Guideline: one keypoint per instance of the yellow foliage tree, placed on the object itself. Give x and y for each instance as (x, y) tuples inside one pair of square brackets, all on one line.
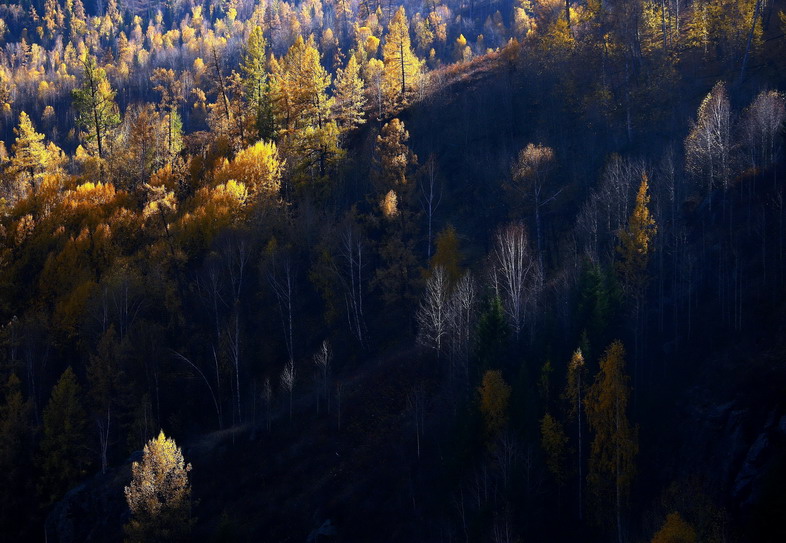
[(212, 210), (494, 395), (447, 254), (615, 443), (350, 100), (302, 110), (394, 156), (402, 67), (257, 167), (159, 495), (32, 159), (635, 239), (675, 530)]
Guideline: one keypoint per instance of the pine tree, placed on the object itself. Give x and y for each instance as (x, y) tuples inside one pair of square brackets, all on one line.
[(63, 446), (159, 495), (615, 443), (401, 65)]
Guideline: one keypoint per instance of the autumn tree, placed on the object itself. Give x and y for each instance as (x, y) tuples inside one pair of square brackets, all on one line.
[(159, 495), (434, 311), (762, 128), (615, 442), (635, 242), (143, 143), (32, 158), (63, 445), (256, 84), (302, 110), (97, 112), (402, 67), (730, 29), (258, 167), (171, 89), (448, 255), (494, 395), (350, 100), (530, 173), (394, 157), (708, 145), (373, 73), (574, 396), (675, 530), (397, 221), (517, 268), (554, 442), (635, 246)]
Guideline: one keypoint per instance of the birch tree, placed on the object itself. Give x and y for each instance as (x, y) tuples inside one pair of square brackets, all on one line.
[(288, 376), (708, 145), (516, 265), (762, 125), (322, 361), (433, 314)]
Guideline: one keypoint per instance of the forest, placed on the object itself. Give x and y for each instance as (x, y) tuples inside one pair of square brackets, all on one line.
[(414, 271)]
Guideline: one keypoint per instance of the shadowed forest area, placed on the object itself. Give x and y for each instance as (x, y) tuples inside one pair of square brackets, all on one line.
[(351, 270)]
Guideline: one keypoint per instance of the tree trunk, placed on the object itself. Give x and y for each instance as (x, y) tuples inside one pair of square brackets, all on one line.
[(403, 73), (578, 417), (756, 9)]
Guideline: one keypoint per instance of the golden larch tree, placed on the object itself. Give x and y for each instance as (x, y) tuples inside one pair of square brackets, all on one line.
[(350, 99), (574, 397), (494, 395), (159, 495), (675, 530), (402, 67), (615, 442), (32, 158), (635, 240)]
